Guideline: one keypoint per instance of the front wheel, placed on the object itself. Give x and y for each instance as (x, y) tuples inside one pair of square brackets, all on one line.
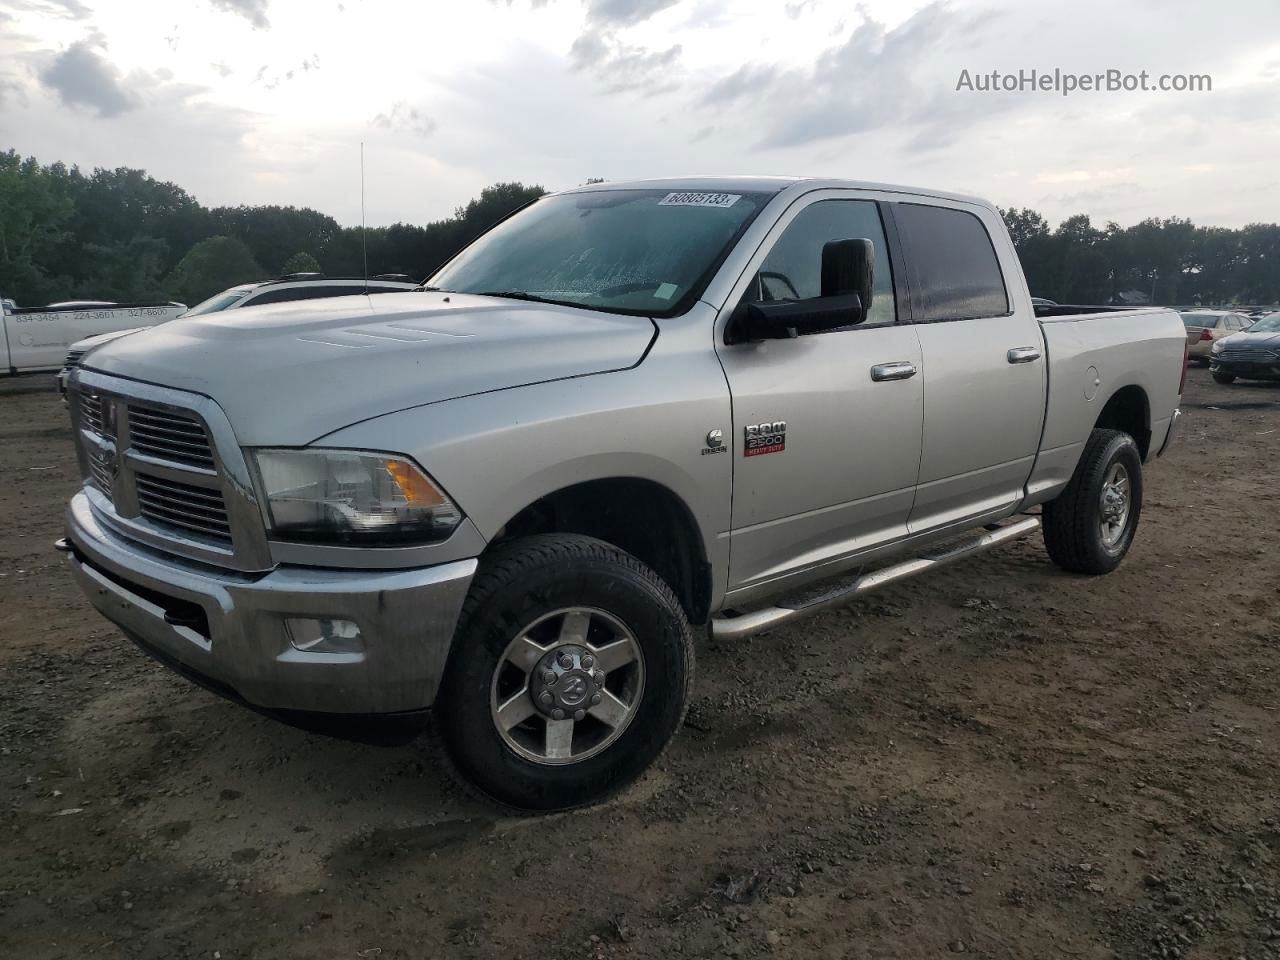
[(569, 674), (1220, 377), (1090, 526)]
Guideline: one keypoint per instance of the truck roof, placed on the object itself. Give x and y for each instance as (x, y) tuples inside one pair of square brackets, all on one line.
[(755, 184)]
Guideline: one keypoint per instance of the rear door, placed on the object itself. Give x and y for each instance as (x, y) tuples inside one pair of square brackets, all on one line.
[(825, 447), (984, 367)]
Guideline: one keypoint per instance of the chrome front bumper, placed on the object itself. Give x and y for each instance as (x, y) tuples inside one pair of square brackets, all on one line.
[(228, 628)]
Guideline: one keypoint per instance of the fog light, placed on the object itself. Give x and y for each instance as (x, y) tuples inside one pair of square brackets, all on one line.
[(324, 636)]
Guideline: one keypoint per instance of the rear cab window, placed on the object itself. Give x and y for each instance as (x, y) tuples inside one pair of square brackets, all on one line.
[(955, 273)]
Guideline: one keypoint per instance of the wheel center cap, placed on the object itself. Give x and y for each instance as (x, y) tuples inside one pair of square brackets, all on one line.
[(566, 683)]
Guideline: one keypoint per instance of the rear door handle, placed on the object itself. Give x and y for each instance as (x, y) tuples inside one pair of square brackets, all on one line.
[(898, 370), (1024, 354)]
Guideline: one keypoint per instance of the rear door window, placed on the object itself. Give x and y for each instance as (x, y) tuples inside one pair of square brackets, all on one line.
[(955, 272)]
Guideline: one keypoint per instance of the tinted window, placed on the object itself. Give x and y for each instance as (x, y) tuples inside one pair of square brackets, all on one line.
[(285, 294), (956, 275), (793, 268)]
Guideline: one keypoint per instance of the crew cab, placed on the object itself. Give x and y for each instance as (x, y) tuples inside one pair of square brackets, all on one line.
[(628, 414)]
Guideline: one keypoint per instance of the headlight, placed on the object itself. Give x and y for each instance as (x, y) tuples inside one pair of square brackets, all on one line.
[(1217, 346), (345, 497)]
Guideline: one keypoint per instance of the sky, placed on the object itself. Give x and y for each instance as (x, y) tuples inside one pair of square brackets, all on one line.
[(268, 101)]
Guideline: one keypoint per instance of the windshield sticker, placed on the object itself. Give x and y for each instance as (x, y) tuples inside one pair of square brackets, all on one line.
[(664, 291), (699, 199)]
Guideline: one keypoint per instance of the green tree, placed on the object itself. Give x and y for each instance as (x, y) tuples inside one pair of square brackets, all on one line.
[(211, 265), (300, 262), (33, 222)]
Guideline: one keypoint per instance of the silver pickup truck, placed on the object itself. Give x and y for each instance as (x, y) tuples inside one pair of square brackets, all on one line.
[(628, 413)]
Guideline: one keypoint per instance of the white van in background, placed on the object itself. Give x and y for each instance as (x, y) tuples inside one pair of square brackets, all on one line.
[(37, 338)]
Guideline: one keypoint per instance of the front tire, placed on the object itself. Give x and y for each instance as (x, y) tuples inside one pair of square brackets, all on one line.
[(1223, 378), (1091, 525), (569, 674)]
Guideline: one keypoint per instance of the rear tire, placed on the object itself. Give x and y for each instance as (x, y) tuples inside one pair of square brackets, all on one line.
[(569, 674), (1090, 526), (1223, 378)]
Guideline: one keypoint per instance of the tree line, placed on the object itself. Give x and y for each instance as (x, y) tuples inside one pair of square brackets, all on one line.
[(122, 235), (125, 236), (1169, 261)]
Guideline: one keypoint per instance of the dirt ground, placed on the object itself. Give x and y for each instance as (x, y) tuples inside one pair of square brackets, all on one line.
[(1004, 760)]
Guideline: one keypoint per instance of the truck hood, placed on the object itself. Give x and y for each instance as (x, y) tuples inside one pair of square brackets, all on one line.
[(88, 343), (290, 373)]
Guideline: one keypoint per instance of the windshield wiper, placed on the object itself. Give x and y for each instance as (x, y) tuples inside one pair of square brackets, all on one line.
[(517, 295)]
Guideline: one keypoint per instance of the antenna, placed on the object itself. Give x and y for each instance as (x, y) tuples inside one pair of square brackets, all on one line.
[(364, 230)]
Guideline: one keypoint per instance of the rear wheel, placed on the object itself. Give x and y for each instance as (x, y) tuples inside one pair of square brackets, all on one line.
[(1220, 377), (569, 674), (1090, 526)]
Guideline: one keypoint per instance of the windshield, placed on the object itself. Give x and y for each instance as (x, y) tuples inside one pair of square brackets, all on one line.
[(1199, 320), (648, 252), (1268, 324), (219, 301)]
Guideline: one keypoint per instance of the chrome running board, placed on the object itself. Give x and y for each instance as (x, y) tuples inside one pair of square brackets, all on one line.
[(744, 624)]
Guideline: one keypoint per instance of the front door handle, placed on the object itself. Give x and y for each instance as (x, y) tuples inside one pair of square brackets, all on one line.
[(898, 370), (1024, 354)]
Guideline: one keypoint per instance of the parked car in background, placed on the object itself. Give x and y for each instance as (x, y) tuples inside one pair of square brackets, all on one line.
[(1253, 354), (36, 338), (1205, 327), (295, 286)]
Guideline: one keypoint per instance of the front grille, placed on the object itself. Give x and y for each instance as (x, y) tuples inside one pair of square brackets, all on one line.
[(187, 508), (91, 412), (99, 473), (169, 436), (1247, 355)]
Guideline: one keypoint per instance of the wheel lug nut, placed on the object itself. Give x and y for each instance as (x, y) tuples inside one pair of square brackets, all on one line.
[(548, 676), (588, 662), (579, 714), (557, 714), (598, 676), (566, 661), (545, 697), (595, 699)]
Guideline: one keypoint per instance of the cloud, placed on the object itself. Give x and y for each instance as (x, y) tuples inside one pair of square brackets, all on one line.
[(221, 69), (71, 9), (404, 118), (877, 78), (623, 66), (624, 13), (82, 77), (255, 11)]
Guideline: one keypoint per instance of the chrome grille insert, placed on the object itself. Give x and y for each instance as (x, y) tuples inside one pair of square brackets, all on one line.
[(100, 472), (191, 509), (169, 436), (162, 468), (91, 412)]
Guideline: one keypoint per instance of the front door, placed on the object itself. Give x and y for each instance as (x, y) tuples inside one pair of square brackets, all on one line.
[(826, 426)]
